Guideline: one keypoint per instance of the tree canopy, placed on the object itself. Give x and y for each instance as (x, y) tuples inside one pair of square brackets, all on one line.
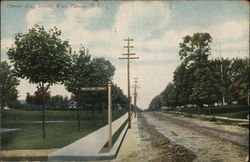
[(40, 56), (8, 84), (199, 80), (88, 72)]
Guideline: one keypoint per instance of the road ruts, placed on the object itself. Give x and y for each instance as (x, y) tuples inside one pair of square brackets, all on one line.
[(209, 142)]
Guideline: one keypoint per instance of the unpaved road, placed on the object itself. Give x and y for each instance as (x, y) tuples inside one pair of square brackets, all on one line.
[(208, 141), (154, 147)]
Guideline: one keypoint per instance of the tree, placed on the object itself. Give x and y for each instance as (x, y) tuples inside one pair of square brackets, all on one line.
[(168, 96), (195, 49), (221, 73), (103, 72), (29, 98), (156, 103), (118, 96), (37, 97), (87, 72), (194, 52), (182, 85), (79, 75), (58, 101), (239, 72), (41, 57), (8, 84)]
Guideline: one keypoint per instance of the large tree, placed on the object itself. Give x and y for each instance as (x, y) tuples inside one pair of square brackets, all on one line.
[(239, 88), (80, 71), (194, 53), (182, 85), (169, 96), (41, 57), (220, 69), (195, 49), (118, 96), (87, 72), (8, 84), (156, 103)]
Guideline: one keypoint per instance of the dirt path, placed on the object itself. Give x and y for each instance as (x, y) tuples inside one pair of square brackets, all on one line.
[(25, 155), (208, 141), (154, 147)]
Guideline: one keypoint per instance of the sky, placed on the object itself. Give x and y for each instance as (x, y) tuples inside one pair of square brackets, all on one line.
[(157, 28)]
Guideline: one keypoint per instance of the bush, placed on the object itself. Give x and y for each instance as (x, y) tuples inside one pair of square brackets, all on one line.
[(14, 104)]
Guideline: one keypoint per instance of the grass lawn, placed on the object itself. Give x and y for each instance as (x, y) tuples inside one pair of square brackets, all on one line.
[(117, 134), (239, 115), (57, 134), (231, 111)]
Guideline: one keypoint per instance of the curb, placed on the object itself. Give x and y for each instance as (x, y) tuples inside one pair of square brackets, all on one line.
[(99, 156)]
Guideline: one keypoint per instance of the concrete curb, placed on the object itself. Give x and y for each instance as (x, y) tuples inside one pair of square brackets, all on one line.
[(98, 156)]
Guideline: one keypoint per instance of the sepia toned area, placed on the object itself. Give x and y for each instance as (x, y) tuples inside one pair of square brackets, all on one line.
[(124, 81)]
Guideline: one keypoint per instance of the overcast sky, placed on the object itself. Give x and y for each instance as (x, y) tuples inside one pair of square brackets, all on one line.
[(156, 27)]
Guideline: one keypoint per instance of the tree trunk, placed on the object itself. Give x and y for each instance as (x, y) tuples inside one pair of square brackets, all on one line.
[(1, 105), (93, 112), (78, 107), (44, 131), (78, 119)]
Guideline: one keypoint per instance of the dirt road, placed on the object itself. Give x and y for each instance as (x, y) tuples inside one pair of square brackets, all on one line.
[(207, 140)]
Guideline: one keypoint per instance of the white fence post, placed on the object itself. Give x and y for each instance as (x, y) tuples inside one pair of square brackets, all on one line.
[(110, 114)]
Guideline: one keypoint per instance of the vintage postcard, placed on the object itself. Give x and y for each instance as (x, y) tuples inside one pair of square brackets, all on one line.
[(100, 80)]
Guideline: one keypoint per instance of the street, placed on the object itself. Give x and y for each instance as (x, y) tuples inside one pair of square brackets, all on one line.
[(171, 137), (208, 141)]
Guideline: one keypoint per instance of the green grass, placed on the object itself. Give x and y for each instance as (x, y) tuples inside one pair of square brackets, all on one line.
[(117, 134), (233, 111), (239, 115), (57, 134)]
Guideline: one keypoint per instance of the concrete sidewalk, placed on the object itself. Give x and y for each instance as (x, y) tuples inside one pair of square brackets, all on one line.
[(88, 147), (131, 143)]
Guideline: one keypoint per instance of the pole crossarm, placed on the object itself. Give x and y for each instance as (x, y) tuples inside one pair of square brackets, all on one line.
[(129, 58), (128, 46), (128, 54), (128, 39)]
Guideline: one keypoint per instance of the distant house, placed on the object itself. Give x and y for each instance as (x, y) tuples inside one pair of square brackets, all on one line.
[(72, 104), (6, 108)]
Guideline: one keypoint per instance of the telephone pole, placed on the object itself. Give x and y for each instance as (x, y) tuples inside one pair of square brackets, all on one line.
[(135, 86), (128, 58), (222, 80)]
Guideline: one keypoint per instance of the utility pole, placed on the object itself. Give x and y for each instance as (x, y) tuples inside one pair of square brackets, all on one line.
[(135, 86), (223, 98), (221, 70), (110, 113), (128, 58)]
